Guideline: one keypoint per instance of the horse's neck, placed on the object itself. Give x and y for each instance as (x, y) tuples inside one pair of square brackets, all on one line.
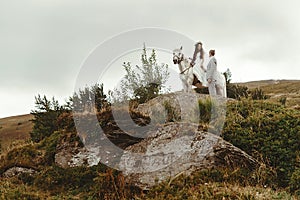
[(182, 65)]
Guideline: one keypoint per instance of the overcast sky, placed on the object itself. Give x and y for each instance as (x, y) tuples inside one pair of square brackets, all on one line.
[(44, 42)]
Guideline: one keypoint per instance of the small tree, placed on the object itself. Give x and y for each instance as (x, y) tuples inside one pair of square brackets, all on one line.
[(258, 94), (45, 117), (282, 100), (144, 82), (237, 91), (234, 91), (228, 76), (89, 99)]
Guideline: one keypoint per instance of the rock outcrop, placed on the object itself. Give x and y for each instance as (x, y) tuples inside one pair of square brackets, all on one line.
[(14, 171), (178, 148), (101, 143), (154, 149), (184, 105)]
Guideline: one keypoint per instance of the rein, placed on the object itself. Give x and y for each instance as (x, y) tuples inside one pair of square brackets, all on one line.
[(185, 69)]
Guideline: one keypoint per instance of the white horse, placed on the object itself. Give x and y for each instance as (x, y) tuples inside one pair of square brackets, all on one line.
[(186, 70)]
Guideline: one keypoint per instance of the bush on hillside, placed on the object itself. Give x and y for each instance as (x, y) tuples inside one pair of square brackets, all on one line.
[(89, 99), (266, 130), (142, 82), (97, 182), (235, 91), (282, 100), (49, 116), (57, 178), (258, 94), (45, 117), (295, 182)]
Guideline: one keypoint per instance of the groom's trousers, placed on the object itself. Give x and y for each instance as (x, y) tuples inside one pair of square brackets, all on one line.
[(214, 89)]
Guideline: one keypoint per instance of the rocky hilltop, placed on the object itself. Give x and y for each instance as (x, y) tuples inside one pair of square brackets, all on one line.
[(170, 146)]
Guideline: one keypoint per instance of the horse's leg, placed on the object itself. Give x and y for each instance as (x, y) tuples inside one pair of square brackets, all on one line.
[(188, 87), (182, 78), (185, 86), (190, 82)]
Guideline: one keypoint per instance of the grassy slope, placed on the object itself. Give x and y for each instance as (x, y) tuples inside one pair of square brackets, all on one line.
[(275, 86), (176, 191), (14, 129), (278, 89)]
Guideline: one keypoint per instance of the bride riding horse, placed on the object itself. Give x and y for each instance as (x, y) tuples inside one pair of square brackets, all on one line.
[(186, 71)]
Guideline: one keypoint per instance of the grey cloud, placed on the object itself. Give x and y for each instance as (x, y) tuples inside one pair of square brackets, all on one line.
[(43, 43)]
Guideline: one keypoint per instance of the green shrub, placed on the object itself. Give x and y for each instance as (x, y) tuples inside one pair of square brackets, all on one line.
[(26, 178), (89, 99), (26, 152), (211, 184), (18, 194), (49, 145), (235, 91), (147, 92), (295, 182), (26, 156), (49, 116), (258, 94), (282, 100), (45, 118), (97, 182), (142, 82), (55, 178), (266, 129)]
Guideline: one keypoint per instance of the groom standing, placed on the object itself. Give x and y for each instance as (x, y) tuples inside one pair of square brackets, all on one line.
[(214, 86)]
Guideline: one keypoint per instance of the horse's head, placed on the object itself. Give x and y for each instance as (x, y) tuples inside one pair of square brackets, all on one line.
[(177, 55)]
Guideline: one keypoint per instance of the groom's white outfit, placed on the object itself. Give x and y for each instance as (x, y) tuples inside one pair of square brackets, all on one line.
[(215, 79)]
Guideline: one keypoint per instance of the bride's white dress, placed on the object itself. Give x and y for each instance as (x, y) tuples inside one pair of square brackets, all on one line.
[(199, 72)]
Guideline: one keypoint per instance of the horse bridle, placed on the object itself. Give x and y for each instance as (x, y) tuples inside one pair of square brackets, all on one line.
[(179, 60)]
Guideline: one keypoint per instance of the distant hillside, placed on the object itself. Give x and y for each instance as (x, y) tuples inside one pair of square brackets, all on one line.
[(13, 129), (275, 86), (277, 89)]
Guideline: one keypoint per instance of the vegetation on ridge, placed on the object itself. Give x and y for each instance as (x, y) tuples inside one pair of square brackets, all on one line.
[(266, 130)]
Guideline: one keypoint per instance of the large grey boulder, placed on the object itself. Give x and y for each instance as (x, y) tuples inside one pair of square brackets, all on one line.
[(178, 148)]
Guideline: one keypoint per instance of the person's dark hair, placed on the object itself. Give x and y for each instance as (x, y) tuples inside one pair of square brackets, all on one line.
[(196, 51), (212, 52)]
